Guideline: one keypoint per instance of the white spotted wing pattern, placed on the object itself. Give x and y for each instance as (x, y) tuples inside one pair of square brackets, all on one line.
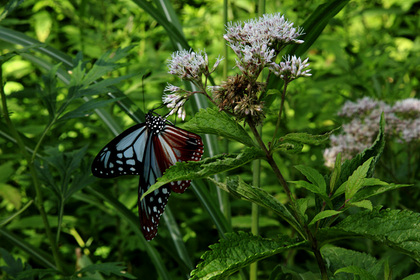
[(148, 149)]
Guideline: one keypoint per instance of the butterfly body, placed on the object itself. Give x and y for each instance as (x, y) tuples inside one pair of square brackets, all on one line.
[(148, 149)]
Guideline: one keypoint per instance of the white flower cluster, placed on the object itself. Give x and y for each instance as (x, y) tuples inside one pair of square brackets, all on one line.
[(190, 66), (253, 58), (272, 28), (291, 68), (402, 125), (408, 113), (257, 43), (175, 99)]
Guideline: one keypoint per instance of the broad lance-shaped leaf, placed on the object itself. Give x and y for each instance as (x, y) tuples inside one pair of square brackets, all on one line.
[(237, 187), (338, 258), (238, 250), (293, 142), (314, 177), (211, 121), (108, 269), (355, 182), (323, 215), (394, 228), (306, 138), (363, 273), (375, 151), (205, 168)]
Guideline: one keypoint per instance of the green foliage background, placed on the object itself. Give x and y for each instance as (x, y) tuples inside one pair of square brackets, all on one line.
[(368, 49)]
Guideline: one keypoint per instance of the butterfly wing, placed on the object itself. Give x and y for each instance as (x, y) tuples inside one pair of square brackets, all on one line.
[(148, 149), (123, 155), (153, 205), (175, 144), (165, 149)]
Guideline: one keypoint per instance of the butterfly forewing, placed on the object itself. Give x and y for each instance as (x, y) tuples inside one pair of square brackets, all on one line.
[(123, 155)]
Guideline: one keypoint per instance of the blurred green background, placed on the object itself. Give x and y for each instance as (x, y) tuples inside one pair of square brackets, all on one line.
[(369, 49)]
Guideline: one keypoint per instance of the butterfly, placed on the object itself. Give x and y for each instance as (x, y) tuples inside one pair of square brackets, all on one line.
[(148, 149)]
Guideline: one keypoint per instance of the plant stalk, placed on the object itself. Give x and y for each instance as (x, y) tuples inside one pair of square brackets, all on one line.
[(283, 97), (312, 240)]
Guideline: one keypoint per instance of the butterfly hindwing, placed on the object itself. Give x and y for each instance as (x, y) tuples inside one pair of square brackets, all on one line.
[(151, 208), (174, 145), (123, 155)]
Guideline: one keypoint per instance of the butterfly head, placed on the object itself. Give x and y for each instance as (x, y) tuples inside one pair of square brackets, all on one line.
[(155, 123)]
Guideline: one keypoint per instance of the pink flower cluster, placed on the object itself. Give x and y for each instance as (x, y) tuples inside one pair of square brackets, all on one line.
[(402, 125)]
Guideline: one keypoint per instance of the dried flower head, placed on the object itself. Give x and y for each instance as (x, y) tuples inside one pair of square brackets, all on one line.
[(240, 97)]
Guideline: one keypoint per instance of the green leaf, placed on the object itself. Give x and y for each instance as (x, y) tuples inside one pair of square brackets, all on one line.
[(202, 169), (375, 189), (13, 266), (291, 147), (379, 187), (10, 6), (397, 229), (48, 94), (105, 64), (363, 273), (338, 258), (238, 250), (336, 173), (355, 182), (302, 205), (4, 221), (293, 142), (310, 187), (35, 253), (314, 177), (306, 138), (110, 268), (237, 187), (211, 121), (323, 215), (375, 151), (363, 204), (412, 277), (86, 109), (172, 31)]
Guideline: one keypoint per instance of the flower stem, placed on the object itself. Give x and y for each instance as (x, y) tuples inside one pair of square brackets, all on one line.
[(283, 97)]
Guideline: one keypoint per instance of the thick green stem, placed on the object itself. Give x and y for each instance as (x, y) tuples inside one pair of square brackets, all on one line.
[(312, 240), (256, 173), (38, 199)]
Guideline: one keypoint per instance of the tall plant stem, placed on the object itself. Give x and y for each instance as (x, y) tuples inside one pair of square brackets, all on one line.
[(272, 163), (255, 212), (39, 202), (312, 240), (283, 97)]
